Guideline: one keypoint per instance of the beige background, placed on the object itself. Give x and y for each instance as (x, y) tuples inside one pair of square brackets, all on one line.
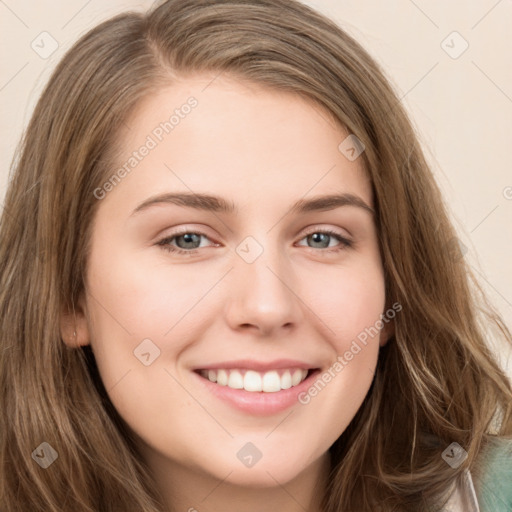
[(460, 101)]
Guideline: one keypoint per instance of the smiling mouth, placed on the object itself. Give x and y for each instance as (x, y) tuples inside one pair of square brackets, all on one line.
[(256, 382)]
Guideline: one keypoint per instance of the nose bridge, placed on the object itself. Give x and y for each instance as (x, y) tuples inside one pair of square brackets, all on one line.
[(263, 284)]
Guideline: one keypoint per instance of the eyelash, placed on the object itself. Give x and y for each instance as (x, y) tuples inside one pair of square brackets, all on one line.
[(165, 242)]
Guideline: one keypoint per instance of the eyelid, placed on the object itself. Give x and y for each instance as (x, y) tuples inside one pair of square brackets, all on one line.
[(182, 231), (321, 227), (344, 241), (309, 230)]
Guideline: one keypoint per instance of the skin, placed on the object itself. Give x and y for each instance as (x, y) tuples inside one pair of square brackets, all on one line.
[(263, 150)]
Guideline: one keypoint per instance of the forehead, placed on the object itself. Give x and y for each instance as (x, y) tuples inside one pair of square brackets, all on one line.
[(243, 140)]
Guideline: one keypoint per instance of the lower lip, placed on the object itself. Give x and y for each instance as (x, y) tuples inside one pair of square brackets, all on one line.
[(258, 403)]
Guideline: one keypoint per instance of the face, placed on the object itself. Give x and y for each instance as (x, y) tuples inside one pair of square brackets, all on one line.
[(260, 286)]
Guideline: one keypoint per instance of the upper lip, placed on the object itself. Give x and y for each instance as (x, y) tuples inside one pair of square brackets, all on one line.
[(262, 366)]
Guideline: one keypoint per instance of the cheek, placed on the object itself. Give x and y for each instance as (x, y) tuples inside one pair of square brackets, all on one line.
[(136, 308), (349, 302), (352, 311), (139, 298), (141, 318)]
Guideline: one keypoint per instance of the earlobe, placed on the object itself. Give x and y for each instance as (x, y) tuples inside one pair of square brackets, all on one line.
[(387, 332), (74, 328)]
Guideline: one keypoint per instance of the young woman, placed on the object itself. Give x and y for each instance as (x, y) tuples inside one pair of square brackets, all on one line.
[(228, 282)]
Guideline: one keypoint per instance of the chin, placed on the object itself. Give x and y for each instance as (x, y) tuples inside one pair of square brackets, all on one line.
[(272, 469)]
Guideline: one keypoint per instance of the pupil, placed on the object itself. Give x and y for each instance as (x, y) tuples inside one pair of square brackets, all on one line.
[(190, 238), (317, 238)]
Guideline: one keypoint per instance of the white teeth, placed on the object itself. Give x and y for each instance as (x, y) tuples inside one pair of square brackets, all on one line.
[(271, 382), (252, 381), (235, 381), (268, 382), (286, 380), (297, 376), (222, 377)]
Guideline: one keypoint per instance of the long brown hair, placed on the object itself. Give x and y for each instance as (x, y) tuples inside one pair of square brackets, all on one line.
[(436, 382)]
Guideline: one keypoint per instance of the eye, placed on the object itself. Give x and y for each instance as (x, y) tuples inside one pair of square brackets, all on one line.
[(322, 238), (187, 242)]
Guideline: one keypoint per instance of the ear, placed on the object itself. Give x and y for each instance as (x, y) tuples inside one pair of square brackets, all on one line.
[(387, 331), (74, 328)]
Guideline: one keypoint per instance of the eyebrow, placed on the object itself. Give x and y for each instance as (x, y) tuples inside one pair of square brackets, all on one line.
[(217, 204)]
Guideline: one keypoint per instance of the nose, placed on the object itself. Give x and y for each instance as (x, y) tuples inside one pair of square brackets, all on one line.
[(263, 296)]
